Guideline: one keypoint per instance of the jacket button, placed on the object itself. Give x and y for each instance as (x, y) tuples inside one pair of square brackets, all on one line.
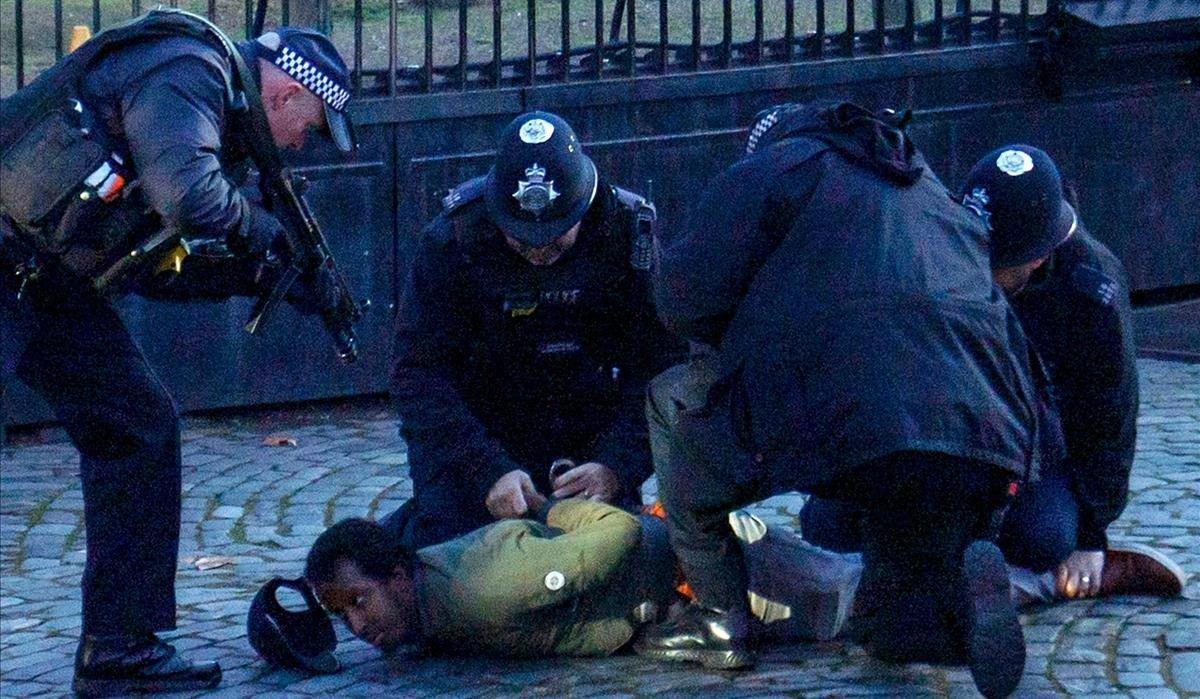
[(555, 580), (759, 458)]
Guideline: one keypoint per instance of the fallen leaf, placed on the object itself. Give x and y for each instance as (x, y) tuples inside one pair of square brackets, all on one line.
[(279, 440), (210, 562)]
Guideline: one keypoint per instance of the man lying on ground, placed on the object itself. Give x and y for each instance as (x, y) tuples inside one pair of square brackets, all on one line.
[(577, 582)]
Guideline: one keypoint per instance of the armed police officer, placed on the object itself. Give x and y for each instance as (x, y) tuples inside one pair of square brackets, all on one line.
[(861, 351), (525, 337), (122, 150)]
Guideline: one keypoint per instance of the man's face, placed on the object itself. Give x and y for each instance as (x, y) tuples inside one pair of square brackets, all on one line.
[(1013, 279), (292, 111), (547, 254), (370, 608)]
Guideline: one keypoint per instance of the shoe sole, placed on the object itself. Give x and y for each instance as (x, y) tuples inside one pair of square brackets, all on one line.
[(89, 687), (711, 659), (994, 641)]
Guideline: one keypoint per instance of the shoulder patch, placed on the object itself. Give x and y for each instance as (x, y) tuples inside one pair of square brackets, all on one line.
[(464, 194), (1095, 284)]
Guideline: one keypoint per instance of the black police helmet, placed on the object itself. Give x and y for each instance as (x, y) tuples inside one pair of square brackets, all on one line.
[(1017, 190), (541, 184), (303, 640)]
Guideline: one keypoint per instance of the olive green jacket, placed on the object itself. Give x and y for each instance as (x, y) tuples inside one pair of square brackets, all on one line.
[(522, 588)]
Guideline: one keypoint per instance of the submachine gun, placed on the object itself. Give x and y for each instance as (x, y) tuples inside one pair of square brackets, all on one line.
[(307, 255)]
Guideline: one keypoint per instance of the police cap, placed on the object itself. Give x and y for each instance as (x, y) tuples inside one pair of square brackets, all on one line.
[(1018, 192), (297, 639), (541, 183), (312, 60)]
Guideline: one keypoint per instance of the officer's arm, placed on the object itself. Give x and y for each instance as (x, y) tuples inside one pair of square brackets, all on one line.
[(1099, 413), (172, 120), (595, 542), (429, 345), (703, 274)]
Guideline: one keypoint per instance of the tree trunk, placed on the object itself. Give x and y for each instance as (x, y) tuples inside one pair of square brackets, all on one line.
[(311, 13)]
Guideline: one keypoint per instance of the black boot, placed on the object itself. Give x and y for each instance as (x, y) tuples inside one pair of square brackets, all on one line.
[(716, 639), (993, 638), (110, 666)]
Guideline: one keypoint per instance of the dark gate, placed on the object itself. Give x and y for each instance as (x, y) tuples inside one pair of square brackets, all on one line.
[(658, 93)]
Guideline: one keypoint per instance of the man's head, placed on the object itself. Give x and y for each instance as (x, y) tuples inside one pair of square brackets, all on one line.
[(305, 86), (541, 184), (1018, 193), (362, 576)]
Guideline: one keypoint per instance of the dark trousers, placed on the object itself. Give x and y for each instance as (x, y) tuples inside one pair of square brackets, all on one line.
[(69, 346), (928, 506), (436, 513), (1039, 531)]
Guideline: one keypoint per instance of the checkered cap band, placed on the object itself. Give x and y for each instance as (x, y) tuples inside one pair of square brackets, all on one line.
[(312, 78), (760, 129)]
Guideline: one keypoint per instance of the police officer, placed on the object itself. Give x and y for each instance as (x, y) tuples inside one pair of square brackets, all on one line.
[(861, 350), (525, 336), (159, 99), (1072, 298)]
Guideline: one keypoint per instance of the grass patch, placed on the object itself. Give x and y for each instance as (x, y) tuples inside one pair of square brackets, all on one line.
[(281, 509), (39, 25)]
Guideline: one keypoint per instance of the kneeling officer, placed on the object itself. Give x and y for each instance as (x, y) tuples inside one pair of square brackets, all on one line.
[(526, 335), (117, 153)]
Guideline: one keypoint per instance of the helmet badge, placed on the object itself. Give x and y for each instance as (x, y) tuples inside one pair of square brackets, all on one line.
[(535, 195), (536, 131), (1014, 163), (977, 201)]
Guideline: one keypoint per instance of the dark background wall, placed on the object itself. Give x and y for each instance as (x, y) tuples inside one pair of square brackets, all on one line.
[(1123, 123)]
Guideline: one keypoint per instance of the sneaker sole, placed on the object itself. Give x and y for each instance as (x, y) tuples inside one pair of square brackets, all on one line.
[(711, 659), (994, 641), (90, 687)]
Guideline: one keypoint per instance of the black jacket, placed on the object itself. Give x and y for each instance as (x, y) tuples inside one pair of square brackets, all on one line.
[(164, 106), (852, 304), (1077, 315), (500, 364)]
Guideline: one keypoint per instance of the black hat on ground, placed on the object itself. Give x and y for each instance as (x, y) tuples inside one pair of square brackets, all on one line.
[(1018, 192), (541, 184), (303, 640)]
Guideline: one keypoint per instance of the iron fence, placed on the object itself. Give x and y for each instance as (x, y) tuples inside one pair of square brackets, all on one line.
[(485, 45)]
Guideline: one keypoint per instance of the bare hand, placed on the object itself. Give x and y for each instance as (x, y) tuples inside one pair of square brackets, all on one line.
[(1078, 577), (592, 480), (512, 496)]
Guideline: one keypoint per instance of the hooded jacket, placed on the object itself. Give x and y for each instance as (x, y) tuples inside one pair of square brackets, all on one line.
[(851, 301)]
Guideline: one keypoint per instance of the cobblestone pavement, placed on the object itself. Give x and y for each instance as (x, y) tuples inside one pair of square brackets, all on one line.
[(262, 506)]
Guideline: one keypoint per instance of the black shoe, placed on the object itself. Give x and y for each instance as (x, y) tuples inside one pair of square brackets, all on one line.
[(993, 639), (711, 637), (137, 664)]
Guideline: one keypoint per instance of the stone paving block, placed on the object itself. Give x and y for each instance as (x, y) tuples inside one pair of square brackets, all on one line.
[(1140, 679), (1185, 670)]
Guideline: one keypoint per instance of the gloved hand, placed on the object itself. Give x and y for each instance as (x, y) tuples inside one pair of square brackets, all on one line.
[(258, 232)]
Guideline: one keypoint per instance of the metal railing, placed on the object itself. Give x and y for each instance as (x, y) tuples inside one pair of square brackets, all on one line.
[(415, 46)]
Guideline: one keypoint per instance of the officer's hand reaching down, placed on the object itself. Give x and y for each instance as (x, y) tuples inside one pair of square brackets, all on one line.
[(592, 480), (513, 496)]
